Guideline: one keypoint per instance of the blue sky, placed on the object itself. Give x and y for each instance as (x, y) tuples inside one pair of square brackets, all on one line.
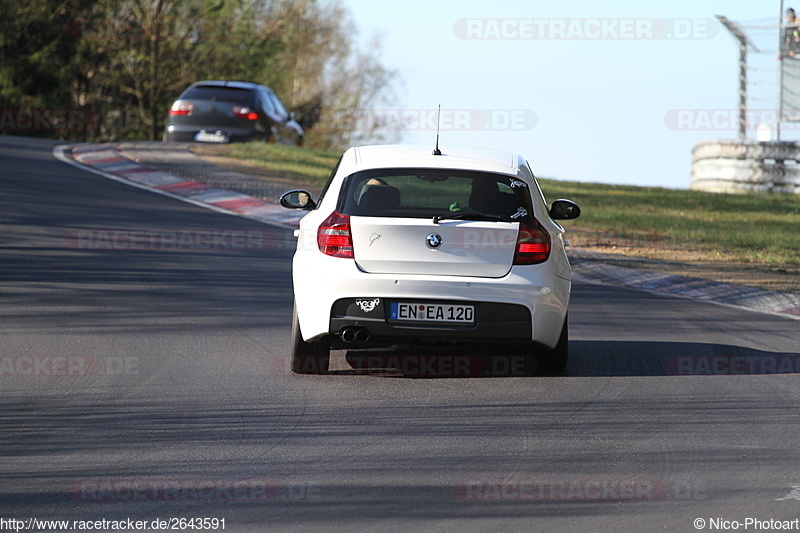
[(605, 109)]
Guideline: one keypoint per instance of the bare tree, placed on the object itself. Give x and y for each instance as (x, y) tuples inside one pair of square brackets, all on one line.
[(127, 60), (328, 75)]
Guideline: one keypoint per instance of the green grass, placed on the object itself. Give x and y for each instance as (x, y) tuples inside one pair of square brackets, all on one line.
[(303, 164), (758, 227)]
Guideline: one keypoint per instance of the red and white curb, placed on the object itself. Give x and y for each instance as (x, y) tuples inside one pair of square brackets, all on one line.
[(108, 161)]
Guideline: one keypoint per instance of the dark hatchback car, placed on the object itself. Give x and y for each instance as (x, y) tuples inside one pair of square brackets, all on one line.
[(230, 111)]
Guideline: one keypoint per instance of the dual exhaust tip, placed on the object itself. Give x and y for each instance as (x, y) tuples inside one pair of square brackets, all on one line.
[(354, 334)]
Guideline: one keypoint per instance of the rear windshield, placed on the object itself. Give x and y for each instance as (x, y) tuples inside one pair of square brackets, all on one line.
[(424, 193), (218, 94)]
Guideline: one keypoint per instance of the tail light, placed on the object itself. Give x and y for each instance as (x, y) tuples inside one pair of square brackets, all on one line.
[(240, 111), (181, 109), (533, 244), (333, 236)]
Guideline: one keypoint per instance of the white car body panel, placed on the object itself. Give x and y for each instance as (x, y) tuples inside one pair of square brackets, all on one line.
[(398, 264), (470, 248)]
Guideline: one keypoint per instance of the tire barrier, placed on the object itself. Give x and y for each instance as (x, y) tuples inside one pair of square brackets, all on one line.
[(734, 166)]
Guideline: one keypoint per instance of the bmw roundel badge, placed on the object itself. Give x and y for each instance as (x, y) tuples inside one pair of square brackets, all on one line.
[(434, 240)]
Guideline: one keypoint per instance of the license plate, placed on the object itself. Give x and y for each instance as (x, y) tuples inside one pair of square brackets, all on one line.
[(205, 137), (436, 313)]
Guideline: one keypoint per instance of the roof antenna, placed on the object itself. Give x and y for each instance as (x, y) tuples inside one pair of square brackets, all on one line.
[(436, 150)]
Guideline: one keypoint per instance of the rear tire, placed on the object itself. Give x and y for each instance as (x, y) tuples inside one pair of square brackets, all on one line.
[(308, 357), (554, 360)]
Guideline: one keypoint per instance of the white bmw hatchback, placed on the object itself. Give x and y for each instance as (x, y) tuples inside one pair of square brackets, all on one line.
[(409, 246)]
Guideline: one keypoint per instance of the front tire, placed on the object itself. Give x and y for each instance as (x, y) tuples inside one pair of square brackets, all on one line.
[(554, 360), (308, 357)]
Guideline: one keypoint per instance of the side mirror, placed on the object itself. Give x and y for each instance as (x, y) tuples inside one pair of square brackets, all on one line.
[(564, 210), (298, 199)]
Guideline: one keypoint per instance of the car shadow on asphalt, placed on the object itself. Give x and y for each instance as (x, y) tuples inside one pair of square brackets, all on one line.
[(587, 359), (666, 358)]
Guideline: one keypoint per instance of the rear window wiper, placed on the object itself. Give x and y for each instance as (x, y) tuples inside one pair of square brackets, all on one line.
[(469, 216)]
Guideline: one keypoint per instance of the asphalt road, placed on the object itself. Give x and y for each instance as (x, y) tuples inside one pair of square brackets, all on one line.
[(143, 376)]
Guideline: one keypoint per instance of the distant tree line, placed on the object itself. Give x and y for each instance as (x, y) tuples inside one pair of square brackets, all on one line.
[(109, 69)]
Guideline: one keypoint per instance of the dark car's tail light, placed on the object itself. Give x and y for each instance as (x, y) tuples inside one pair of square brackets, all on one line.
[(244, 112), (533, 244), (181, 109), (333, 236)]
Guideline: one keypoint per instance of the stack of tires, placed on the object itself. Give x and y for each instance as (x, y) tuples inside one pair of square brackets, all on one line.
[(735, 166)]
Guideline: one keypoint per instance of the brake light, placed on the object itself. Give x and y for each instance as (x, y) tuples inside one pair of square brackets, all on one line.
[(333, 236), (240, 111), (533, 244), (181, 109)]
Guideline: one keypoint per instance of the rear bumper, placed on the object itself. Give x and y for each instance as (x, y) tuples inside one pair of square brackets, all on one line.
[(178, 133), (528, 304), (496, 322)]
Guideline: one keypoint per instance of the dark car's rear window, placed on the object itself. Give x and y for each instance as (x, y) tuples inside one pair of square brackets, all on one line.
[(218, 94), (422, 193)]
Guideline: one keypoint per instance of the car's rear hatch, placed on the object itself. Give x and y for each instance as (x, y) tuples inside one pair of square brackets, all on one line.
[(216, 108), (449, 248), (435, 222)]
